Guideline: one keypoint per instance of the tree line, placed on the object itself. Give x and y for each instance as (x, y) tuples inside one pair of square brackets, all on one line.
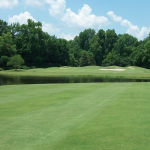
[(38, 48)]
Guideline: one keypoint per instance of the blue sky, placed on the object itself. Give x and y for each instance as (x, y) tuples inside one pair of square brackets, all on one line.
[(67, 18)]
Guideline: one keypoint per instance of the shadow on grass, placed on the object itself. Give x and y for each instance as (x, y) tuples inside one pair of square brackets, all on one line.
[(18, 70)]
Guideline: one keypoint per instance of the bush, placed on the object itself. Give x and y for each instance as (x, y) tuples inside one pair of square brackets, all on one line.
[(32, 67), (1, 69), (24, 67)]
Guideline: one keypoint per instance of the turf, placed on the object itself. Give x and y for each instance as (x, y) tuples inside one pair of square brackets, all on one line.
[(137, 72), (105, 116)]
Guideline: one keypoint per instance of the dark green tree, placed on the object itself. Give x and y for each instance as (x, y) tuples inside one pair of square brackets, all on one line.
[(85, 37), (38, 61), (7, 48), (111, 59), (63, 52), (75, 50), (101, 35), (110, 40), (3, 61), (73, 61), (91, 59), (52, 49), (4, 27), (84, 59), (96, 49), (146, 58)]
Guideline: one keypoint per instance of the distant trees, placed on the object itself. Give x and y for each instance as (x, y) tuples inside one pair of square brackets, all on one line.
[(96, 49), (85, 37), (4, 28), (110, 39), (63, 52), (38, 48), (7, 48), (73, 61), (121, 51), (84, 59)]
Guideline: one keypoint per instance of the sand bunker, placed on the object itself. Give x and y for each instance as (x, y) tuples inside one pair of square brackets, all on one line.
[(113, 69)]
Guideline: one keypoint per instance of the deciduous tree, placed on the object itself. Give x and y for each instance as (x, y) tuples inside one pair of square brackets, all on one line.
[(16, 61)]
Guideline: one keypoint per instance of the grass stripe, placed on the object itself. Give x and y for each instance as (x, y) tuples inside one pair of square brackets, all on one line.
[(75, 116)]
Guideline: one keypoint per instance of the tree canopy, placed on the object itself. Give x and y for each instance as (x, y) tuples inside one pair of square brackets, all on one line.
[(38, 48)]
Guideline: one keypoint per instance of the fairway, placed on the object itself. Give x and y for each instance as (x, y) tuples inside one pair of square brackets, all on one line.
[(112, 71), (104, 116)]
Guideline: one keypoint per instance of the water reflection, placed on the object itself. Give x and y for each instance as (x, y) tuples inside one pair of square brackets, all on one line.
[(11, 80)]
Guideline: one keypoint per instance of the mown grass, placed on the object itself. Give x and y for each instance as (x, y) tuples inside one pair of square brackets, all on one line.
[(105, 116), (137, 72)]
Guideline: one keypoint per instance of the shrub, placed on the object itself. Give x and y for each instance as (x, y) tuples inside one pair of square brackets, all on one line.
[(24, 67), (32, 67)]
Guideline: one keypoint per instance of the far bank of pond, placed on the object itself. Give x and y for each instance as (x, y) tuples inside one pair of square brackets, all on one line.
[(13, 80), (88, 74)]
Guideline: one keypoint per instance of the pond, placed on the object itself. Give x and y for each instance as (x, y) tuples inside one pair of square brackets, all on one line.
[(13, 80)]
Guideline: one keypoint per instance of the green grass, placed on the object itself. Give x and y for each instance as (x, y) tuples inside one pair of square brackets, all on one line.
[(137, 72), (95, 116)]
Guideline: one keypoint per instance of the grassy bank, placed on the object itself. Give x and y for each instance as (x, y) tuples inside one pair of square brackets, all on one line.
[(130, 72), (92, 116)]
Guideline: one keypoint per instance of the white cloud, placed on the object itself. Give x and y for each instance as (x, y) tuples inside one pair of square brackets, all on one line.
[(57, 8), (114, 17), (46, 27), (34, 3), (84, 19), (49, 28), (38, 3), (21, 18), (8, 3), (135, 31), (131, 29)]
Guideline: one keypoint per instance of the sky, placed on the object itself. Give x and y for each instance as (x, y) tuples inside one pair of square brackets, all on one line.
[(67, 18)]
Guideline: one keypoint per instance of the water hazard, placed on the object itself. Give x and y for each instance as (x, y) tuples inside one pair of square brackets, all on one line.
[(13, 80)]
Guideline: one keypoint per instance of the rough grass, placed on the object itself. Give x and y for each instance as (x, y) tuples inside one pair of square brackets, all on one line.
[(137, 72), (105, 116)]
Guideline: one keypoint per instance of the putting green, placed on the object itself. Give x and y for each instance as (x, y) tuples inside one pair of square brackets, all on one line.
[(112, 116)]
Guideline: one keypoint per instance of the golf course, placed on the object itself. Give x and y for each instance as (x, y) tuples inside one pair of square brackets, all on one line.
[(76, 116), (74, 75)]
